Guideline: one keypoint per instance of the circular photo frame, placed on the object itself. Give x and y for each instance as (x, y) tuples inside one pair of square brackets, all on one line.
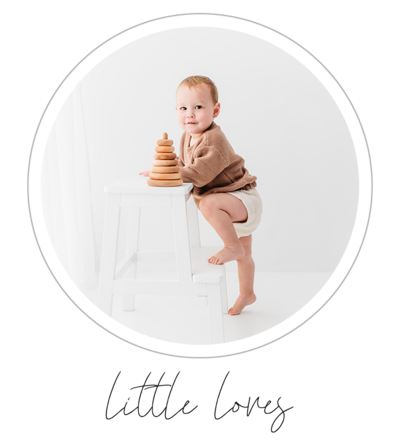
[(219, 21)]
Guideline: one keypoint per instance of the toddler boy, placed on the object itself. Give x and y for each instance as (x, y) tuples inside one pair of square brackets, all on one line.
[(223, 189)]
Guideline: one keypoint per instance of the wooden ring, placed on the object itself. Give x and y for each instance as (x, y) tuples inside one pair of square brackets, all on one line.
[(164, 183), (165, 176), (164, 156), (167, 169), (165, 162), (163, 149), (165, 142)]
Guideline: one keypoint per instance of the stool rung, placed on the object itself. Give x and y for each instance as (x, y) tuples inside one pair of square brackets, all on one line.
[(125, 263), (203, 271), (151, 287)]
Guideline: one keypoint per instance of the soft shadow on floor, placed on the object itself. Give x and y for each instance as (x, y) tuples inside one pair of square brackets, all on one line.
[(184, 320)]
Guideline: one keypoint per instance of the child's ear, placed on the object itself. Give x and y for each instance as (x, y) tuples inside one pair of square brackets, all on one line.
[(217, 109)]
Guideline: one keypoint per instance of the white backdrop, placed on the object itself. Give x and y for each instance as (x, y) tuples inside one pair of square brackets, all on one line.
[(275, 113)]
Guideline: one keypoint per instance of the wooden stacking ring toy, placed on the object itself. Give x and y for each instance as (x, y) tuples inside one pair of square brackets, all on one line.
[(165, 171)]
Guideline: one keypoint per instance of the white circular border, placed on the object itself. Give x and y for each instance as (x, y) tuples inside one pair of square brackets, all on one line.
[(178, 22)]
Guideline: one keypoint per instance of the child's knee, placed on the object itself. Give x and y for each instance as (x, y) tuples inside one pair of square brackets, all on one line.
[(208, 204), (246, 242)]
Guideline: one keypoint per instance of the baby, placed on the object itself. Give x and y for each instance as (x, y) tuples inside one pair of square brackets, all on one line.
[(223, 189)]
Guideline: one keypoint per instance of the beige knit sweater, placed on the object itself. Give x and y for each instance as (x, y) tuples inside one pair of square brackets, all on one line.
[(212, 165)]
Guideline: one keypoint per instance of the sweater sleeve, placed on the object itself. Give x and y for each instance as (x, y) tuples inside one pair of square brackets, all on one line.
[(207, 164), (180, 162), (181, 145)]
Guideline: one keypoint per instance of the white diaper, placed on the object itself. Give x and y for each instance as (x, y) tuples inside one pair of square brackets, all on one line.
[(252, 201)]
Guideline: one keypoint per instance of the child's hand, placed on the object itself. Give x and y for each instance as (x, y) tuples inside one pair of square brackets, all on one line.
[(145, 173)]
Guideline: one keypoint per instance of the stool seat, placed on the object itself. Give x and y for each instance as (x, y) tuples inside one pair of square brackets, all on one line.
[(195, 276), (137, 185)]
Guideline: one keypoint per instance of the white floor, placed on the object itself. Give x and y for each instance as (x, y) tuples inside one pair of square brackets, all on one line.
[(183, 319)]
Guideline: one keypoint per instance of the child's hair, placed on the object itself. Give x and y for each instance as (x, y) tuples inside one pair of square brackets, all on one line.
[(197, 80)]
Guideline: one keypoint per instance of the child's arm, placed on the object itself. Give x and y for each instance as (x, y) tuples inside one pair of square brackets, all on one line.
[(208, 164)]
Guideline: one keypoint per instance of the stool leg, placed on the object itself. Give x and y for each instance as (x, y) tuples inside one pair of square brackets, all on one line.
[(193, 219), (132, 243), (108, 253), (215, 313), (181, 236), (132, 234)]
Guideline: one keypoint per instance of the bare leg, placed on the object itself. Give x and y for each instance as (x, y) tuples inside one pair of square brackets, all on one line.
[(246, 270), (221, 210)]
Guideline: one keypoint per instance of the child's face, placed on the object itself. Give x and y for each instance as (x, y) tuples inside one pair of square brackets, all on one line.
[(196, 109)]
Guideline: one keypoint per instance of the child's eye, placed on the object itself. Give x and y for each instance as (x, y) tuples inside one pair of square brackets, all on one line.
[(183, 108), (198, 107)]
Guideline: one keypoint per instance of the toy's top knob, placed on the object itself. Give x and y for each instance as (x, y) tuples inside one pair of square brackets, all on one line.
[(165, 141)]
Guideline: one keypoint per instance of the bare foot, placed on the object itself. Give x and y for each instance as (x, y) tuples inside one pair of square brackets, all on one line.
[(227, 254), (241, 303)]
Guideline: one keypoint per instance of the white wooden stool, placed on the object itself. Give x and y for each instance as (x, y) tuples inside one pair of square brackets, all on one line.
[(195, 276)]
